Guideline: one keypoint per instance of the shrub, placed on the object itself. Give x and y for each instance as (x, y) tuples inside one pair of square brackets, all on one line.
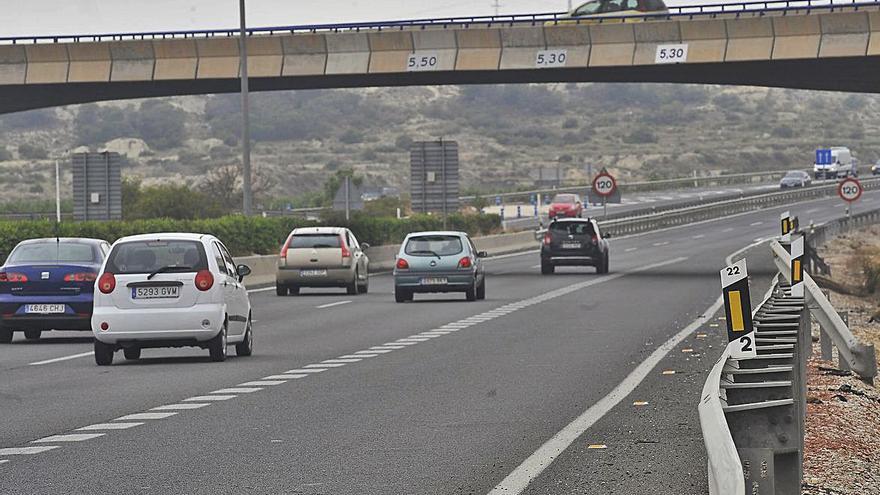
[(32, 152)]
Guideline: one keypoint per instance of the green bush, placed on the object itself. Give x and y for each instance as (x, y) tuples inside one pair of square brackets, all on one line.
[(243, 236)]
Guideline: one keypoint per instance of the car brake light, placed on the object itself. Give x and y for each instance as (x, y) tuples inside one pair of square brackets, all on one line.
[(402, 264), (80, 277), (204, 280), (547, 239), (465, 262), (13, 277), (346, 253), (595, 239), (107, 283), (285, 246)]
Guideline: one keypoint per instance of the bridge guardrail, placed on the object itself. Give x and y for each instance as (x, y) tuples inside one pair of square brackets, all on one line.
[(694, 11)]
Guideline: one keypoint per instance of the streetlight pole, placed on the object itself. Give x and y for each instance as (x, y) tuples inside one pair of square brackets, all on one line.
[(247, 191)]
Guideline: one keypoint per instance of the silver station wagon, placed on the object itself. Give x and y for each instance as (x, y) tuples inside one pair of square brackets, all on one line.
[(322, 257)]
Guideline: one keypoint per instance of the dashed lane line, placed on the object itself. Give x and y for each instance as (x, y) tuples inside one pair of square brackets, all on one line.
[(309, 370), (209, 398), (188, 406), (72, 437), (331, 305), (109, 426), (286, 376), (325, 365), (237, 390), (27, 450), (146, 416), (262, 383), (64, 358)]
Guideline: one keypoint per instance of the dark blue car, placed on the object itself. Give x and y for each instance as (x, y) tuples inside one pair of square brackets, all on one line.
[(48, 284)]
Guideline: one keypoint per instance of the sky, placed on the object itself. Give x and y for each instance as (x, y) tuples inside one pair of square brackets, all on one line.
[(61, 17)]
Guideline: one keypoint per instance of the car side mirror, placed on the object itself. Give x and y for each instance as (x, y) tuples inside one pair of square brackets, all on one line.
[(243, 271), (365, 246), (482, 254), (607, 236)]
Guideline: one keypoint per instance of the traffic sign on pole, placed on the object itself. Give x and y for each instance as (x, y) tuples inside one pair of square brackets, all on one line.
[(850, 190), (797, 267), (604, 184), (738, 310)]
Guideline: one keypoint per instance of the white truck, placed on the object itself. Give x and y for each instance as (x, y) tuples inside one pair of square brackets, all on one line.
[(835, 162)]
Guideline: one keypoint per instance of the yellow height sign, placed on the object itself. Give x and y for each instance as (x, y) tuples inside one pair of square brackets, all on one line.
[(738, 310)]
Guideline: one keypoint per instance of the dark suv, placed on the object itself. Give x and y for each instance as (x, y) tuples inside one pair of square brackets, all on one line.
[(574, 242)]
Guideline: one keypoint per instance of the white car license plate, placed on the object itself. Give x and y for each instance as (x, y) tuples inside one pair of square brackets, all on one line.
[(571, 245), (44, 309), (162, 292), (313, 273), (434, 281)]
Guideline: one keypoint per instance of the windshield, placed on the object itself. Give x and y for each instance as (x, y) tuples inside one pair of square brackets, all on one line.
[(794, 175), (151, 256), (53, 252), (434, 245), (312, 241), (573, 228), (587, 8), (565, 198)]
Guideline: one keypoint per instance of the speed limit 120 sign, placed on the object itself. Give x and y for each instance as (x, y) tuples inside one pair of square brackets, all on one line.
[(850, 190), (604, 184)]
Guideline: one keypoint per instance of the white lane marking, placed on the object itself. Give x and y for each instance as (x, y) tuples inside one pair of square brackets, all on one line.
[(698, 236), (209, 398), (325, 365), (812, 210), (728, 229), (517, 481), (755, 224), (398, 344), (411, 340), (65, 358), (72, 437), (658, 244), (440, 333), (145, 416), (189, 406), (386, 347), (264, 289), (237, 390), (325, 306), (292, 376), (27, 450), (629, 250), (109, 426), (3, 461), (310, 370), (352, 356), (375, 351), (287, 376), (262, 383), (341, 360), (536, 267)]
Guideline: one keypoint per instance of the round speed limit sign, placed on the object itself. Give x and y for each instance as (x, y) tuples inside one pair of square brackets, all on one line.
[(604, 184), (850, 190)]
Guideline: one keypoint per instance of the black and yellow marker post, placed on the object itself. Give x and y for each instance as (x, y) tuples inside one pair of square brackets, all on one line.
[(738, 310), (797, 266), (786, 226)]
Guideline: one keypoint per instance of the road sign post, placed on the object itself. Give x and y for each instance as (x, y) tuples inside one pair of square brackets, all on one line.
[(786, 225), (604, 186), (849, 190), (797, 267), (738, 311)]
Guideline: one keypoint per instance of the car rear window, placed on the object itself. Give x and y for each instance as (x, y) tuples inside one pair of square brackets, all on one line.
[(53, 252), (314, 241), (149, 256), (433, 245), (564, 198), (572, 228)]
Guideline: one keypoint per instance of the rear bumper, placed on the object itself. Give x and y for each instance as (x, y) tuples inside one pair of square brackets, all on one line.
[(77, 315), (199, 323), (455, 281), (571, 258), (336, 277)]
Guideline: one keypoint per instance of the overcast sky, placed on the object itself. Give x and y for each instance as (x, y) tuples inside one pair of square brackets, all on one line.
[(48, 17)]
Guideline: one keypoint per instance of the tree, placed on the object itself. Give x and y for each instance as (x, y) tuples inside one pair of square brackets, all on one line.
[(335, 182), (224, 185), (32, 152)]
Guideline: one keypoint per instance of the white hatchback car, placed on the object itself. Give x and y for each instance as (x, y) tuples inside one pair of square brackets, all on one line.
[(171, 290)]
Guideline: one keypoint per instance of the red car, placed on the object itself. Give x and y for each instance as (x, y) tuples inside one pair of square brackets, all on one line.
[(566, 206)]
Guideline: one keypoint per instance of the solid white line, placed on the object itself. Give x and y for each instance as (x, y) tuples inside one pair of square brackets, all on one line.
[(262, 383), (340, 303), (27, 450), (237, 390), (65, 358), (73, 437), (209, 398), (180, 407), (109, 426), (148, 415), (310, 370), (517, 481)]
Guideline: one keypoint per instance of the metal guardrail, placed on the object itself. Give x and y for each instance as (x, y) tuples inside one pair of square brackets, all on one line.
[(693, 11)]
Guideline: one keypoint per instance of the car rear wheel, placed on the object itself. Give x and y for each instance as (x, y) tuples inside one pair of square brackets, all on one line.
[(402, 295), (547, 268), (293, 290), (5, 336), (33, 334), (132, 353), (246, 347), (471, 293), (352, 288), (603, 266), (103, 353), (481, 290), (281, 290), (217, 345), (364, 287)]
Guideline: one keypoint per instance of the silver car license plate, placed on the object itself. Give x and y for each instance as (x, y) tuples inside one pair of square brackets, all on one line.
[(162, 292), (44, 309), (313, 273), (571, 245), (434, 281)]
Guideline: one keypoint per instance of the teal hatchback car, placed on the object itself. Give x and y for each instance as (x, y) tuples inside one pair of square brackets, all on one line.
[(439, 262)]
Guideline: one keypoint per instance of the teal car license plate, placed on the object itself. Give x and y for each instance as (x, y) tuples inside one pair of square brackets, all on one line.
[(434, 281)]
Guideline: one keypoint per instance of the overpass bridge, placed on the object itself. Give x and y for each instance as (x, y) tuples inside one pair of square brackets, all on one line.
[(795, 44)]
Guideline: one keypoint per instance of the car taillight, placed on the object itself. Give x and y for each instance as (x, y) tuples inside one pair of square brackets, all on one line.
[(465, 262), (80, 277), (13, 277), (402, 264), (346, 253), (107, 283), (595, 239), (285, 246), (547, 239), (204, 280)]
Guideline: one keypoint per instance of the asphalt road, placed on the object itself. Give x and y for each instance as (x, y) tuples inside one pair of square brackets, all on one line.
[(396, 410)]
